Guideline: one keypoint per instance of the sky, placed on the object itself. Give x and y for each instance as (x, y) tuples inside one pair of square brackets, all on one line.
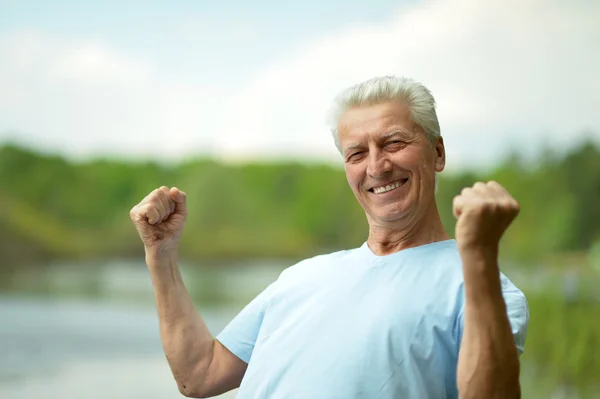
[(245, 80)]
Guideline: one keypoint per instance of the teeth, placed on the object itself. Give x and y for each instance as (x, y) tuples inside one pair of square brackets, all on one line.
[(385, 189)]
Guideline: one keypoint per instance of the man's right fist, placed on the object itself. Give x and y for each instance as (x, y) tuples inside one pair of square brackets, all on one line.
[(159, 219)]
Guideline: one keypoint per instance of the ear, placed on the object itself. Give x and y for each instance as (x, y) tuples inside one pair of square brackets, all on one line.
[(440, 154)]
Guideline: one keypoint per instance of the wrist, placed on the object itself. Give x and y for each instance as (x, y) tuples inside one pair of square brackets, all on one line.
[(480, 262), (481, 273), (479, 252), (158, 255)]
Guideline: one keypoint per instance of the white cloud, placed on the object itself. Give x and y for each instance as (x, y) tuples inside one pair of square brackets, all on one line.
[(96, 64), (503, 73), (499, 71), (82, 97)]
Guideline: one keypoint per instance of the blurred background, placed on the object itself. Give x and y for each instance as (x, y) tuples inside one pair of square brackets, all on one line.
[(101, 102)]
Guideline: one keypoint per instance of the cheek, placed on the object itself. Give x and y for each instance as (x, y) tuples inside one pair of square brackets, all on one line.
[(412, 160), (424, 160), (354, 176)]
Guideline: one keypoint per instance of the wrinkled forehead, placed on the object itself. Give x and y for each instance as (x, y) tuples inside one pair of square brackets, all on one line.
[(376, 120)]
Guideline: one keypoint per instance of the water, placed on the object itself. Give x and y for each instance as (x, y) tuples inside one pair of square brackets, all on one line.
[(65, 349), (81, 332)]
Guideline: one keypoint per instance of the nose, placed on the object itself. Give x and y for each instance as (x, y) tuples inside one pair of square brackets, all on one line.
[(379, 164)]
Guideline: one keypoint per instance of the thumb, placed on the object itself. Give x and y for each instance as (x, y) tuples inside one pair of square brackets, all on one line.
[(180, 198)]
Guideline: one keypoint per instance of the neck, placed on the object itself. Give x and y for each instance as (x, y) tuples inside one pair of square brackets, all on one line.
[(385, 239)]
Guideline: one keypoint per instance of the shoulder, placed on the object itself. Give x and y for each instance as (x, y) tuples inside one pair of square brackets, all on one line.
[(441, 253), (441, 261), (446, 252)]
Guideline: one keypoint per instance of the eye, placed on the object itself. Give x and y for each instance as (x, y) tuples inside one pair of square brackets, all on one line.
[(395, 144), (355, 156)]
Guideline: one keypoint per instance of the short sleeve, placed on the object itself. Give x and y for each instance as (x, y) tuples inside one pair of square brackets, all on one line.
[(240, 335), (517, 311)]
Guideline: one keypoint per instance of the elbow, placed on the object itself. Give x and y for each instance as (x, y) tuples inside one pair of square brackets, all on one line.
[(193, 380), (191, 390), (192, 385)]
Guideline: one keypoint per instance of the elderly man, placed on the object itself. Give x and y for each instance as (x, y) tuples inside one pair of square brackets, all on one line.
[(411, 313)]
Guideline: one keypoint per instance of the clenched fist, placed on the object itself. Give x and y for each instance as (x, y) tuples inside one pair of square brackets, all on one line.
[(483, 214), (160, 218)]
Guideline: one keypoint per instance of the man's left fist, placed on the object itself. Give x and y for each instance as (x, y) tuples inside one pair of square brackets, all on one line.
[(483, 214)]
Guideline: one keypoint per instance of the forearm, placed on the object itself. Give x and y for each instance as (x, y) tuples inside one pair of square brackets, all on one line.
[(187, 342), (488, 364)]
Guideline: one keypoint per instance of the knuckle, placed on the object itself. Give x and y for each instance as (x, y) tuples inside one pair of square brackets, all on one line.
[(164, 195), (155, 194), (155, 198)]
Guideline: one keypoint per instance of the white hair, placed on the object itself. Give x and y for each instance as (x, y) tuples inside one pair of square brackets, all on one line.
[(383, 89)]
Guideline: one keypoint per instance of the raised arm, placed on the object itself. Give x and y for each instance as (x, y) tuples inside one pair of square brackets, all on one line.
[(488, 363), (201, 365)]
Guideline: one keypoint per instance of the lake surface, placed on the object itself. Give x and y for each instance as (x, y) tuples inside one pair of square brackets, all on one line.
[(76, 331), (85, 349), (92, 332)]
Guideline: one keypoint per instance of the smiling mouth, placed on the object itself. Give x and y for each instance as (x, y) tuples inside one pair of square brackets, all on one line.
[(388, 187)]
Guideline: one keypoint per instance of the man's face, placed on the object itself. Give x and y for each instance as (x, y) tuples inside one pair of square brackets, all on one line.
[(389, 161)]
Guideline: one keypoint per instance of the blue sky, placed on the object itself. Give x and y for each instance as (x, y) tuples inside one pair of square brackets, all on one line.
[(178, 36), (244, 80)]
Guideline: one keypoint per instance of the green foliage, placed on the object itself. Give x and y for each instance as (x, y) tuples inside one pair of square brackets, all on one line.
[(53, 208), (563, 344)]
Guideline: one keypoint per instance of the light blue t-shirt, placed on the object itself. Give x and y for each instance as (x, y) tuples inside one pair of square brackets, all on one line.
[(352, 325)]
